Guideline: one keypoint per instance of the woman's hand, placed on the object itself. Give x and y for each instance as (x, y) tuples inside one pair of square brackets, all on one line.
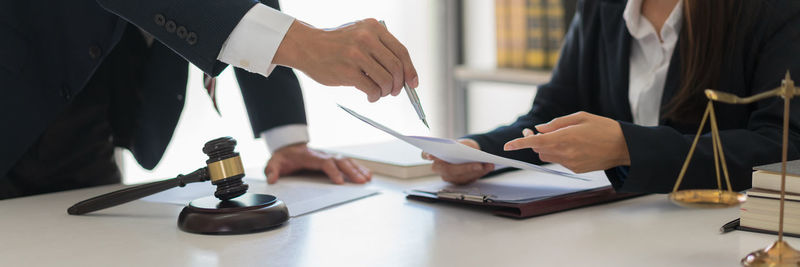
[(581, 142), (460, 173)]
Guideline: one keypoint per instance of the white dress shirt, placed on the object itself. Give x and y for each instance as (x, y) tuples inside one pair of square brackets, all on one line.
[(649, 60), (251, 46)]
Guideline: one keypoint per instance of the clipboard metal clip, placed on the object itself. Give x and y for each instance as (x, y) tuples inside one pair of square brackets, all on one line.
[(466, 196)]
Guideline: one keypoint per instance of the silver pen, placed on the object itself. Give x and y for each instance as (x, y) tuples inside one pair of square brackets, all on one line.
[(412, 96)]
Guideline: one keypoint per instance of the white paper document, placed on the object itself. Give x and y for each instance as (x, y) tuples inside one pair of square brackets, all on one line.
[(454, 152), (301, 197)]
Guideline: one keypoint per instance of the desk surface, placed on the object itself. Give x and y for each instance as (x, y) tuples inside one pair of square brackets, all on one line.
[(382, 230)]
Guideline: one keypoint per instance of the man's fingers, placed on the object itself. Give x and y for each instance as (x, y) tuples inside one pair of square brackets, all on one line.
[(364, 170), (329, 168), (379, 75), (392, 64), (366, 85), (562, 122), (409, 72), (347, 166), (273, 172)]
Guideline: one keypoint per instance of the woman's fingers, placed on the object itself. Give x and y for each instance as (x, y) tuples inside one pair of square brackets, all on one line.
[(533, 141), (564, 121), (461, 173)]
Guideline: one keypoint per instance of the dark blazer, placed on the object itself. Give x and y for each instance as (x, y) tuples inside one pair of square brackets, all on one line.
[(592, 76), (51, 49)]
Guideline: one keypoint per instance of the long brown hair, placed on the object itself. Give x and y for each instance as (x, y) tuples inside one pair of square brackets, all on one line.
[(710, 33)]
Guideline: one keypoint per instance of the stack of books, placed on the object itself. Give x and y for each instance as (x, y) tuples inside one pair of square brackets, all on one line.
[(761, 210), (530, 32)]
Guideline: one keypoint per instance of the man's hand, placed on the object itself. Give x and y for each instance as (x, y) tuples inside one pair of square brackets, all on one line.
[(460, 173), (361, 54), (582, 142), (293, 158)]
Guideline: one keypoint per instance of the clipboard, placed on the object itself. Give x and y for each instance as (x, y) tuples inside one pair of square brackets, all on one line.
[(523, 194)]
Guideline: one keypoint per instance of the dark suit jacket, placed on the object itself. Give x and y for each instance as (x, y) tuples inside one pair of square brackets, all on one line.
[(51, 49), (592, 76)]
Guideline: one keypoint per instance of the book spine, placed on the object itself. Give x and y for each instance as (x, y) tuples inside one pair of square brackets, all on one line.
[(555, 20), (517, 33), (535, 55), (501, 8)]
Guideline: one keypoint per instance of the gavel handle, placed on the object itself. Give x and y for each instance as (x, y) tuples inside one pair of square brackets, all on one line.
[(133, 193)]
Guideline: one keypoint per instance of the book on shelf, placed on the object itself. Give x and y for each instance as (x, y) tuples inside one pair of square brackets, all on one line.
[(517, 24), (501, 11), (554, 18), (530, 33), (535, 53), (392, 158)]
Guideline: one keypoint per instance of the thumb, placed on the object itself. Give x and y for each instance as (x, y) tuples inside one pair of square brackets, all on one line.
[(561, 122)]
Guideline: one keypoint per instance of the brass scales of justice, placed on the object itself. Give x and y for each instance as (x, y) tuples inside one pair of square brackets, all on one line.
[(778, 253)]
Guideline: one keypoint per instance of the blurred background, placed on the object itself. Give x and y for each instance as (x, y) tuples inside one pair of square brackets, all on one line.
[(458, 47)]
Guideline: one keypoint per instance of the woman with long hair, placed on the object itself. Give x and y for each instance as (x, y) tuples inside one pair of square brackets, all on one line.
[(627, 94)]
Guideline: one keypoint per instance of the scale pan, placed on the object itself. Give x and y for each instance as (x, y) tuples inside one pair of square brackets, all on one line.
[(707, 198)]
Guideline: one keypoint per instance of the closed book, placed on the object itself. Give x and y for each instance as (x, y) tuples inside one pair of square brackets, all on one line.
[(535, 53), (761, 211), (769, 176), (501, 8), (394, 158)]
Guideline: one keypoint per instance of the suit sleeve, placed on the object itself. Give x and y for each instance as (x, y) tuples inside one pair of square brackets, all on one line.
[(554, 99), (271, 101), (196, 30), (657, 153)]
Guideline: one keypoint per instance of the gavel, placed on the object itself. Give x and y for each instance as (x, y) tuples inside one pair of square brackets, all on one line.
[(230, 211), (224, 169)]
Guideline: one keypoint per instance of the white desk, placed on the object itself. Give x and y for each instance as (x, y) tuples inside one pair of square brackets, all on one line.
[(382, 230)]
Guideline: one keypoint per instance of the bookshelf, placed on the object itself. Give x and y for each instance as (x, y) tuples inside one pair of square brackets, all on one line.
[(461, 74), (466, 74)]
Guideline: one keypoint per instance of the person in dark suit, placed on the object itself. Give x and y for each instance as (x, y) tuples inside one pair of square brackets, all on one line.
[(627, 94), (81, 77)]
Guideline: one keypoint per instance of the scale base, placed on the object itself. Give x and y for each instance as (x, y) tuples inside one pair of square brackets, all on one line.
[(777, 254), (248, 213)]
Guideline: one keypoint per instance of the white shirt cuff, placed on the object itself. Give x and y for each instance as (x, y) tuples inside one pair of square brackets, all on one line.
[(285, 135), (253, 43)]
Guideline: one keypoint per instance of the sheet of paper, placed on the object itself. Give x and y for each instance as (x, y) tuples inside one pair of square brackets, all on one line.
[(300, 196), (521, 186), (454, 152)]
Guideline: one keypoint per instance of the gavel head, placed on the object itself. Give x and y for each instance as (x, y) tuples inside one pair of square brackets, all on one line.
[(225, 168)]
